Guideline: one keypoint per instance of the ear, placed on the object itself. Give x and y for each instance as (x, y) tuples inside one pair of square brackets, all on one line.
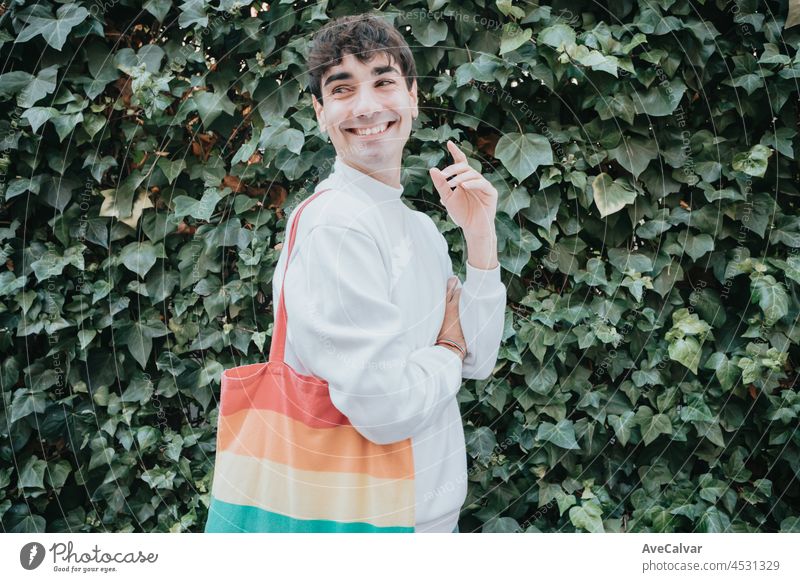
[(319, 110), (413, 94)]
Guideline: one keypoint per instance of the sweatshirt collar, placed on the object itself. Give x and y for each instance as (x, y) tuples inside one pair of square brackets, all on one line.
[(348, 176)]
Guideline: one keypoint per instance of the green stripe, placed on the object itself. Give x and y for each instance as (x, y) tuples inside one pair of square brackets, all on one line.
[(226, 517)]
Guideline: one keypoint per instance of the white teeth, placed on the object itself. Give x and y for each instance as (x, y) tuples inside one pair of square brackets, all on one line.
[(372, 130)]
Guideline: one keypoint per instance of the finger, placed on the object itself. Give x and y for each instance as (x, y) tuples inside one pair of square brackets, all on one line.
[(465, 177), (454, 291), (454, 169), (478, 185), (441, 184), (458, 155), (438, 178)]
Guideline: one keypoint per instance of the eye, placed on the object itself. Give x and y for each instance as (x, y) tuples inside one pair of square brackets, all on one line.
[(336, 90), (386, 81)]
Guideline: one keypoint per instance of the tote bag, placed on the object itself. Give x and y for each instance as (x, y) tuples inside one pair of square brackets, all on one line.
[(288, 461)]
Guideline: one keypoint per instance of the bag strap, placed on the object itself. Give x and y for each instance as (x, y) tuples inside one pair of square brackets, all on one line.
[(278, 346)]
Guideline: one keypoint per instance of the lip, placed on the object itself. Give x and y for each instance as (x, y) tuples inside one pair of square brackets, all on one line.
[(391, 125)]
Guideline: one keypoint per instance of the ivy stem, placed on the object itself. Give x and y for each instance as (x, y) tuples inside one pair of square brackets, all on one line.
[(517, 122)]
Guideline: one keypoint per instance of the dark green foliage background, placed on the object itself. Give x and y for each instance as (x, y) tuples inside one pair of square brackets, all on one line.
[(648, 232)]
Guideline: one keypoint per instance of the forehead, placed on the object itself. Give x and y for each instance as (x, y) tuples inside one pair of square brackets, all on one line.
[(350, 64)]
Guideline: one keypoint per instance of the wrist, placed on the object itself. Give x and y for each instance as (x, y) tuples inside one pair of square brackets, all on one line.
[(482, 250), (452, 349), (453, 346), (482, 236)]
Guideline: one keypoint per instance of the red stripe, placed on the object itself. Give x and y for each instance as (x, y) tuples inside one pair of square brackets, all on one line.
[(276, 386)]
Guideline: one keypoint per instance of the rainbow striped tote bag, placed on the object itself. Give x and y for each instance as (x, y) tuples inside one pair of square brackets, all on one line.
[(288, 461)]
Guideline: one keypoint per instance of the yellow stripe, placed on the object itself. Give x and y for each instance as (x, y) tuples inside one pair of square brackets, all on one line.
[(344, 497)]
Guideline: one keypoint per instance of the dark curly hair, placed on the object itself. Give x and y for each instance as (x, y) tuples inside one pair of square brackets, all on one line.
[(360, 35)]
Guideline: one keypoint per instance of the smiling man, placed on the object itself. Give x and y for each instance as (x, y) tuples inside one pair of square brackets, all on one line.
[(372, 304)]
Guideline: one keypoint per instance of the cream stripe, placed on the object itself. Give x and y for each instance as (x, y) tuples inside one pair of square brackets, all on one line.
[(279, 488)]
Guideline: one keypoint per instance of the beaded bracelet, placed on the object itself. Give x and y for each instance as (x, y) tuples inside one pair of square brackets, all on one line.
[(450, 342)]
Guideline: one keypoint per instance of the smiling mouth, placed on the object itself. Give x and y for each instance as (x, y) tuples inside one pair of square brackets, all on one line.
[(375, 130)]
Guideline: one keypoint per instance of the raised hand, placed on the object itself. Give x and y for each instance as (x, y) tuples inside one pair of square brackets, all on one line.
[(470, 199)]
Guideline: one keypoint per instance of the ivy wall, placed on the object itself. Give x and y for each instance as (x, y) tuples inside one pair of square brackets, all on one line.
[(648, 231)]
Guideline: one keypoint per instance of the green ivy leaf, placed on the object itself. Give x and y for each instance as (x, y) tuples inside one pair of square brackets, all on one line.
[(753, 162), (508, 9), (724, 369), (54, 30), (211, 105), (686, 351), (652, 425), (147, 436), (791, 524), (634, 154), (31, 475), (57, 473), (593, 59), (588, 516), (660, 100), (771, 297), (523, 154), (622, 425), (429, 32), (611, 196), (501, 525), (171, 168), (558, 36), (561, 434), (696, 409), (513, 37), (138, 257), (512, 201), (38, 116), (27, 402), (279, 137), (158, 8), (192, 13), (481, 443), (714, 521), (200, 209)]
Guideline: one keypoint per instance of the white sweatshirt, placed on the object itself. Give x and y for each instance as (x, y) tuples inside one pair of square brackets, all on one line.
[(365, 299)]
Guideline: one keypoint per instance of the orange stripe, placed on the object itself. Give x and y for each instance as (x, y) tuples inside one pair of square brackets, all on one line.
[(342, 449)]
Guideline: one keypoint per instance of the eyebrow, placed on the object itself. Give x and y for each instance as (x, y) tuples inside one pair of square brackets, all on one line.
[(344, 75)]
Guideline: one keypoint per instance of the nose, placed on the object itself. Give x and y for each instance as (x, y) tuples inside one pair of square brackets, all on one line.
[(366, 102)]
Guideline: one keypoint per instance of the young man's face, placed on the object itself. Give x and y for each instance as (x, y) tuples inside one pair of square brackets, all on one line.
[(358, 97)]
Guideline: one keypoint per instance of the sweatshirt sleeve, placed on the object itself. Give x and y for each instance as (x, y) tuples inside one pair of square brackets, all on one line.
[(481, 312), (345, 330)]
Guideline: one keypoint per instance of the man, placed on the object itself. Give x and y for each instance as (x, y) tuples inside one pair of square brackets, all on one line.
[(371, 303)]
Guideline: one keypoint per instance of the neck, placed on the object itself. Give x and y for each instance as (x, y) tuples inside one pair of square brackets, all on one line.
[(389, 176), (378, 186)]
